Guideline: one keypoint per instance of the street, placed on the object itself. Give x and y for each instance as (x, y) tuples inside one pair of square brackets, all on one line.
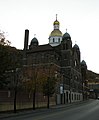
[(85, 111)]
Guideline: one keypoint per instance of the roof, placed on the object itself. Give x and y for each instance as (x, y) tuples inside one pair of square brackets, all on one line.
[(41, 48), (76, 46), (83, 62), (34, 40), (56, 32), (66, 35)]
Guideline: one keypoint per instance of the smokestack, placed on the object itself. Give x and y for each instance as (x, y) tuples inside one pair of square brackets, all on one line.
[(26, 38)]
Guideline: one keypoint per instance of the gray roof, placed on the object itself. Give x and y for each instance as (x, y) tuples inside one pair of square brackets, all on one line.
[(66, 35), (41, 48), (76, 46), (83, 62), (34, 40)]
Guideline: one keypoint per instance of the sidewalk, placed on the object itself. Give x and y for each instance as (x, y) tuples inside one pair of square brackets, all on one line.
[(11, 114)]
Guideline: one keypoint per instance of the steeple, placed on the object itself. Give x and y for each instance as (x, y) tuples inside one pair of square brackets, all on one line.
[(56, 23)]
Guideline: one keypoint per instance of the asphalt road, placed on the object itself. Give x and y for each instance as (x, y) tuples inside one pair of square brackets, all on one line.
[(86, 111)]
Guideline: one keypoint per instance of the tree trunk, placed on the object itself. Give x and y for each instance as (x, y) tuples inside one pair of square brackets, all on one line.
[(15, 94), (48, 101), (34, 100)]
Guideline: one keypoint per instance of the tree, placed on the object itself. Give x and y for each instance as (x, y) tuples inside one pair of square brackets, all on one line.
[(49, 82), (4, 59), (35, 80), (4, 63), (17, 84), (40, 78), (49, 88), (3, 40), (10, 59), (31, 81)]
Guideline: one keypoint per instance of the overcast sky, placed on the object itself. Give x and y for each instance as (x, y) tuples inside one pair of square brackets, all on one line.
[(79, 17)]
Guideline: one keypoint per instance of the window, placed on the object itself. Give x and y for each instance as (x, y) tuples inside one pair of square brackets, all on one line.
[(59, 40), (9, 94), (75, 96), (53, 39), (69, 96), (72, 96), (79, 97), (75, 63)]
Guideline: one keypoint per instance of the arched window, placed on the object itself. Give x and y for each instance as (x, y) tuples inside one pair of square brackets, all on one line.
[(75, 63)]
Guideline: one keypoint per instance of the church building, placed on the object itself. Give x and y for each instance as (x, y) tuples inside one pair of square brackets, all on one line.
[(57, 59)]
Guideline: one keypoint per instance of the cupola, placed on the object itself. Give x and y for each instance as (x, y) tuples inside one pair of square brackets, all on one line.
[(76, 47), (55, 37), (66, 36), (83, 63), (34, 43), (66, 41)]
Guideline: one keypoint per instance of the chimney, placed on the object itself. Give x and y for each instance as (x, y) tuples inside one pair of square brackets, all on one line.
[(26, 38)]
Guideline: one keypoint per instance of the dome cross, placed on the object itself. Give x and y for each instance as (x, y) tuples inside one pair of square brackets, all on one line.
[(56, 16), (34, 35), (66, 29)]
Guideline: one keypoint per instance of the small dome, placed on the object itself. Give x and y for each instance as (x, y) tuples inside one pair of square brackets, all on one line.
[(66, 35), (56, 33), (76, 46), (83, 63), (34, 41)]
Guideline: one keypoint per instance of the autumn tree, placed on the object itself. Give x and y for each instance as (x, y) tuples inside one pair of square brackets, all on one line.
[(30, 81), (34, 81), (49, 88), (49, 83)]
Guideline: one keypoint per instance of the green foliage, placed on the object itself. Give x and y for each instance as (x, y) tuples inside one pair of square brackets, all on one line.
[(10, 58)]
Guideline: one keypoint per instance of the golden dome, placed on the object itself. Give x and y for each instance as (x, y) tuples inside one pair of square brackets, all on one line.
[(56, 32), (56, 22)]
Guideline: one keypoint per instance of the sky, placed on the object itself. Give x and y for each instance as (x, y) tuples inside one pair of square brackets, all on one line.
[(79, 17)]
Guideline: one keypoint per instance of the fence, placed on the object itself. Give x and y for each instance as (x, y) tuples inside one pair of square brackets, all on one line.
[(24, 100)]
